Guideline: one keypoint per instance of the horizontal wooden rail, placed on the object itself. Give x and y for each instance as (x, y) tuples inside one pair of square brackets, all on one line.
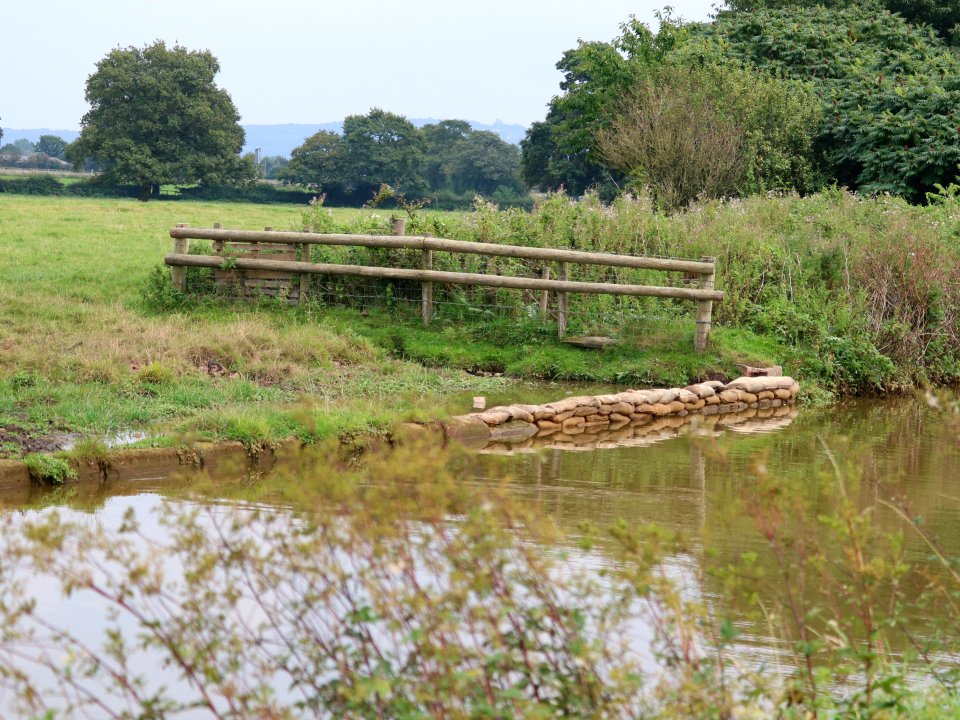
[(518, 283), (406, 242)]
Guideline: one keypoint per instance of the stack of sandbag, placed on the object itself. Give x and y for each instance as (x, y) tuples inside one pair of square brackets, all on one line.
[(574, 415)]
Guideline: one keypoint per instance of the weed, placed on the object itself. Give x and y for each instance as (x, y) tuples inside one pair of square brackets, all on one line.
[(155, 373), (90, 449), (22, 379), (49, 470)]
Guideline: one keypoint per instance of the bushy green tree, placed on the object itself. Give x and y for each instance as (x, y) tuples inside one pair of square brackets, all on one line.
[(692, 131), (549, 161), (52, 145), (318, 163), (482, 162), (442, 140), (890, 90), (381, 148), (156, 116)]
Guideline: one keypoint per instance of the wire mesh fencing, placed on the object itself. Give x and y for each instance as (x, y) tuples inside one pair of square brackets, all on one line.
[(610, 315)]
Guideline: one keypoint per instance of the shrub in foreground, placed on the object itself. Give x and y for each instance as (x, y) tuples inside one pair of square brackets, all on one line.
[(395, 590)]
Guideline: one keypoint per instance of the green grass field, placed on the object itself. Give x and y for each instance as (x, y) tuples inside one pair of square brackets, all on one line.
[(79, 352)]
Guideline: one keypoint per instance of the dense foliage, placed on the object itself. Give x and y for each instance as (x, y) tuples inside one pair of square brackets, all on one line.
[(888, 92), (890, 89), (942, 15), (52, 146), (156, 116), (694, 132), (381, 148)]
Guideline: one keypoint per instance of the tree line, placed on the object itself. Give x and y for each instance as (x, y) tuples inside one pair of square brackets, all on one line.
[(157, 117), (49, 152), (447, 158)]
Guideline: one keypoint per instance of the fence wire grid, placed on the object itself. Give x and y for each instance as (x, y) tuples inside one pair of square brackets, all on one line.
[(587, 314)]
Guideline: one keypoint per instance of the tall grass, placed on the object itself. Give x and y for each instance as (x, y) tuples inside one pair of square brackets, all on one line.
[(863, 294)]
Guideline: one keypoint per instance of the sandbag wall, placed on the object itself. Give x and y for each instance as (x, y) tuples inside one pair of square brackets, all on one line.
[(601, 413)]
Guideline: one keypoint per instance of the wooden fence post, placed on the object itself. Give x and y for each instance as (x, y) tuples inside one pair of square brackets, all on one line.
[(218, 244), (545, 295), (304, 277), (562, 301), (704, 309), (181, 246), (399, 226), (426, 288)]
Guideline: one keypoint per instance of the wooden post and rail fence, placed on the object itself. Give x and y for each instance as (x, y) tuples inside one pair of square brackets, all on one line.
[(269, 257)]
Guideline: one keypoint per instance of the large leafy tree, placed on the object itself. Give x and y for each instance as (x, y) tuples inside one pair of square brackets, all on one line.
[(318, 163), (381, 148), (52, 146), (482, 162), (464, 160), (156, 116), (443, 140), (891, 90), (562, 150)]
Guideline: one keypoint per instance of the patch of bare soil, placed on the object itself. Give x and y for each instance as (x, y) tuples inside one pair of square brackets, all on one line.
[(16, 440)]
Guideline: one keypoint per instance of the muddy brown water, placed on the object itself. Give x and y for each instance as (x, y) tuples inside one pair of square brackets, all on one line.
[(685, 476)]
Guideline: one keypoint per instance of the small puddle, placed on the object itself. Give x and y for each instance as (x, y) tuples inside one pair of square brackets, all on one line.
[(120, 439)]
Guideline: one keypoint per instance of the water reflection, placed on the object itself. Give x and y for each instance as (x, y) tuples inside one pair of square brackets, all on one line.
[(690, 474), (698, 478)]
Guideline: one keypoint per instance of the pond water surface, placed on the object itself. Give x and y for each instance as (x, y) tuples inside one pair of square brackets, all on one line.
[(690, 477)]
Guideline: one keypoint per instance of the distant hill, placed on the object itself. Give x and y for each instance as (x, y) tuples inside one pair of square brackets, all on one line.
[(277, 139), (13, 134)]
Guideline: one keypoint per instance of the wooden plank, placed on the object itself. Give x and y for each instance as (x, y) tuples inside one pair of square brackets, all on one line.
[(545, 294), (268, 275), (704, 312), (181, 246), (304, 277), (517, 283), (262, 248), (426, 288), (562, 301), (444, 245)]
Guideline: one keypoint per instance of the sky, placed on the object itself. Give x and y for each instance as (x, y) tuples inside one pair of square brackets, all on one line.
[(313, 61)]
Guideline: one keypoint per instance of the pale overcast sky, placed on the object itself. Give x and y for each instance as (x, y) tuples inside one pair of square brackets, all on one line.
[(312, 61)]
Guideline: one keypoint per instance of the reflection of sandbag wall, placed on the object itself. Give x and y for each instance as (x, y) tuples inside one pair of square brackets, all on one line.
[(566, 419)]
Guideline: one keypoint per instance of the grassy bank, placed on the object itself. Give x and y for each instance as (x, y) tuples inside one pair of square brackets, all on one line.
[(850, 295), (853, 295)]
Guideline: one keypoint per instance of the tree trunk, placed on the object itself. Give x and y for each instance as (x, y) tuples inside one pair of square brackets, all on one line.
[(145, 189)]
